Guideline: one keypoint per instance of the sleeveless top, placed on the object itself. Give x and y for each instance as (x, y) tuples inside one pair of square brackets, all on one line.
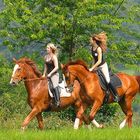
[(95, 56), (50, 65)]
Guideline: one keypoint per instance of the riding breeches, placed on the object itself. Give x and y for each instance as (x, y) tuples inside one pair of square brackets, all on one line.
[(105, 71), (55, 79)]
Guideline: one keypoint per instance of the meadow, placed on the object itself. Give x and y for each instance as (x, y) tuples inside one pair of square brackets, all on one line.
[(71, 134)]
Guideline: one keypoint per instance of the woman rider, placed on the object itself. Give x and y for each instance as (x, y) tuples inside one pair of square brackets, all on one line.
[(98, 43), (51, 67)]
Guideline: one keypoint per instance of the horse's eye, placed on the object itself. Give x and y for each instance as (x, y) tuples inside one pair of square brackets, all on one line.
[(19, 69)]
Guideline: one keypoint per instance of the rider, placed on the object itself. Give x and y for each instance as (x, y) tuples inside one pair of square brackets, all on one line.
[(51, 67), (98, 43)]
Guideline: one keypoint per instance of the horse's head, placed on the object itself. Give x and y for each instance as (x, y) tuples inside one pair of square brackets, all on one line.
[(68, 75), (26, 69), (74, 70), (18, 72)]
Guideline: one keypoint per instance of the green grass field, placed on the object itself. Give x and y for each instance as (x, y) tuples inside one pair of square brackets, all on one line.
[(70, 134)]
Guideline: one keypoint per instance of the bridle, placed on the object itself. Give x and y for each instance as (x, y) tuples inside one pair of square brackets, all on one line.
[(71, 85), (33, 79)]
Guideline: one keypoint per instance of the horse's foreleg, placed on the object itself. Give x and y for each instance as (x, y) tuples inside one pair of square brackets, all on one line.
[(79, 117), (96, 106), (85, 119), (31, 115), (40, 121), (94, 122), (97, 124)]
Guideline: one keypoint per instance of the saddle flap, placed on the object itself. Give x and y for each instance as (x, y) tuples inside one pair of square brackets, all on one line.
[(114, 80), (62, 90)]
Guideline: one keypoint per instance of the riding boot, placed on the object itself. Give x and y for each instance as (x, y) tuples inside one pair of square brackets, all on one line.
[(54, 95), (57, 94), (114, 92)]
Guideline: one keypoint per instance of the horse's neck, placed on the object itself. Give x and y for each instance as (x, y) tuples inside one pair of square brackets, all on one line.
[(31, 75), (82, 74), (31, 82)]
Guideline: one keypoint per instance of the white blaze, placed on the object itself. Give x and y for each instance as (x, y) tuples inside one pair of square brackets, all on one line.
[(15, 68)]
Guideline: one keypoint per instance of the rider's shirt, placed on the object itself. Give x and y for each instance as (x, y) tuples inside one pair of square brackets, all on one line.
[(95, 56), (49, 63)]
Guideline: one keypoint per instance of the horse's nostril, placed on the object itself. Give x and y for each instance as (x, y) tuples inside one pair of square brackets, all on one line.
[(12, 83)]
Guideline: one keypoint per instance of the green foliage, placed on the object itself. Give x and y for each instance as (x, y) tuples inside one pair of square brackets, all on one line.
[(107, 113), (69, 25)]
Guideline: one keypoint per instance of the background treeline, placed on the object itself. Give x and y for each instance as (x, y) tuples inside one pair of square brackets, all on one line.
[(28, 25)]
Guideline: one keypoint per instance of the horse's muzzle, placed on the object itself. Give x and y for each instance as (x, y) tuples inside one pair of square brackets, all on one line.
[(13, 82)]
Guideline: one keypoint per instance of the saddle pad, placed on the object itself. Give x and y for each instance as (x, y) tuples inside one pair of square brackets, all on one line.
[(64, 92), (114, 80)]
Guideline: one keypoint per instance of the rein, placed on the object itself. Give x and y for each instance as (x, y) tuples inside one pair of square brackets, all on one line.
[(42, 78)]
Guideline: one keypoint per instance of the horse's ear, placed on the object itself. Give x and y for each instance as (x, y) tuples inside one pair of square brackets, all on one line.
[(14, 59), (62, 66)]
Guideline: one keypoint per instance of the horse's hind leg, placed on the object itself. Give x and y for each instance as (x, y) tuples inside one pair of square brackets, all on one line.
[(40, 121), (129, 110), (124, 109), (126, 106)]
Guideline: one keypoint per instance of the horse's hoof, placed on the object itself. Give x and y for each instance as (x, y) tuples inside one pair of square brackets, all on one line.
[(22, 129), (101, 126)]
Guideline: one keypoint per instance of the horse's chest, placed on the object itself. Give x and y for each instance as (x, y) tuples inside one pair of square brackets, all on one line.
[(31, 101)]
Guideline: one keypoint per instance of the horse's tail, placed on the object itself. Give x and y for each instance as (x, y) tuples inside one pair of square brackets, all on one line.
[(138, 80)]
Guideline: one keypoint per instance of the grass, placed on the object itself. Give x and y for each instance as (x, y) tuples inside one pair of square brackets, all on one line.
[(70, 134)]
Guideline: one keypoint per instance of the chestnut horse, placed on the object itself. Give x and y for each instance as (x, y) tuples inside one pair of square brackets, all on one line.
[(38, 97), (89, 82)]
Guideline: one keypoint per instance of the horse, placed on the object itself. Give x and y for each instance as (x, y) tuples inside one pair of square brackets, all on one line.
[(90, 84), (38, 93)]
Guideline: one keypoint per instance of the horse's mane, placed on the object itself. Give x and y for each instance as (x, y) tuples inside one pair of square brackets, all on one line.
[(77, 62), (31, 63)]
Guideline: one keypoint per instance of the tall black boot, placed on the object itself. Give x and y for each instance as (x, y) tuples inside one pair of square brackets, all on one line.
[(54, 95), (57, 94), (114, 92)]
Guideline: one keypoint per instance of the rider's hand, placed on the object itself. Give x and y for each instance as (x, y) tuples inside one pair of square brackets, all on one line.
[(43, 75), (91, 69), (49, 75)]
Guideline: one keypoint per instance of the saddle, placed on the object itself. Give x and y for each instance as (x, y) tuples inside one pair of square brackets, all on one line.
[(63, 90), (114, 80)]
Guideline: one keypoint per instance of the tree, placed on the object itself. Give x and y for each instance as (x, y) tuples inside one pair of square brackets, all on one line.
[(29, 25)]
